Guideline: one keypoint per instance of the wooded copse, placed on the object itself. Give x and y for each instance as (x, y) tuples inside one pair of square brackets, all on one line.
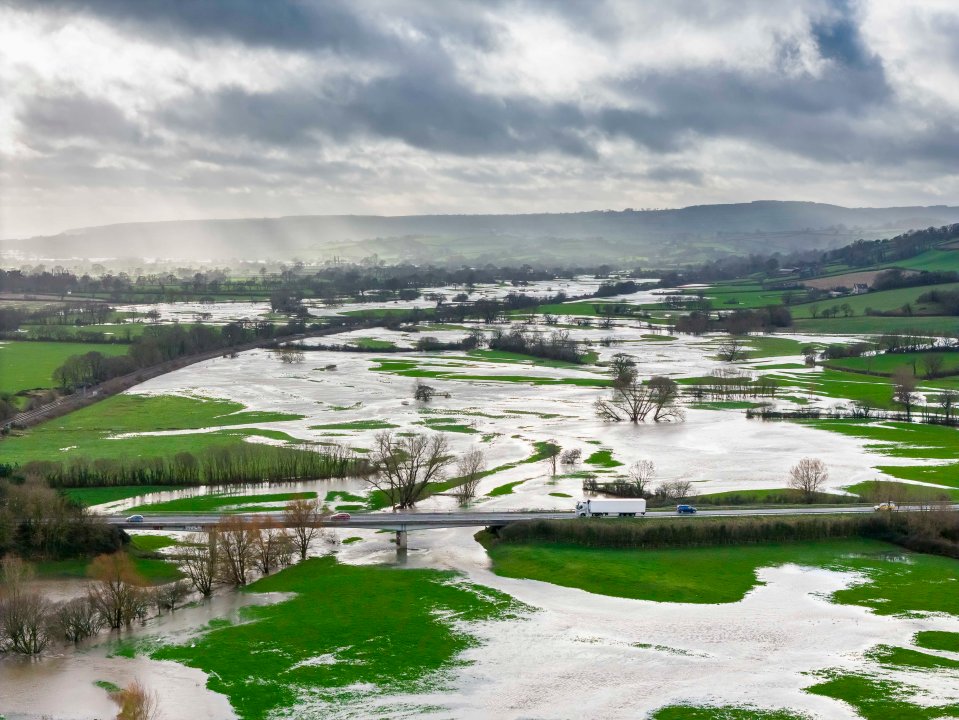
[(218, 465)]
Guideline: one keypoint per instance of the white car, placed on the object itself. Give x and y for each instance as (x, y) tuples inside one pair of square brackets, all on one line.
[(135, 519), (886, 507)]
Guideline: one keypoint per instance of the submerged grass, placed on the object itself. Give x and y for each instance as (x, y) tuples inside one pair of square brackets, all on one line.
[(348, 632)]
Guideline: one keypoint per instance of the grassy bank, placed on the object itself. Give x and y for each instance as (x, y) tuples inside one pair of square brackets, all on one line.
[(348, 632)]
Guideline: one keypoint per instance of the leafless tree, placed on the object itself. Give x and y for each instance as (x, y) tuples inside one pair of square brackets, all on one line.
[(550, 319), (201, 561), (136, 702), (675, 490), (571, 456), (236, 539), (948, 400), (77, 619), (634, 400), (303, 517), (640, 474), (808, 476), (903, 387), (272, 549), (24, 621), (290, 355), (623, 367), (170, 596), (932, 364), (406, 465), (470, 469), (732, 349), (116, 591)]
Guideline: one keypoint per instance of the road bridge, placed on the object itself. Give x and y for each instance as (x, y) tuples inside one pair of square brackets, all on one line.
[(404, 522)]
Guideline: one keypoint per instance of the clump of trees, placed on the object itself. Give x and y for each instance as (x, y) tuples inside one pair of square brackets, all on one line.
[(218, 465), (556, 345), (633, 400)]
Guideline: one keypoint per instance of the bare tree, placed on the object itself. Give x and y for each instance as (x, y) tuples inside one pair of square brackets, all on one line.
[(170, 596), (236, 539), (24, 623), (272, 549), (116, 592), (675, 490), (948, 399), (640, 474), (903, 387), (303, 517), (289, 355), (136, 702), (571, 456), (623, 367), (77, 619), (634, 400), (732, 349), (932, 364), (406, 465), (201, 560), (808, 476), (470, 469)]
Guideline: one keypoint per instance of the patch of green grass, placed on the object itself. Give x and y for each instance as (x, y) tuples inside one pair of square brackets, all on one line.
[(888, 363), (411, 369), (909, 658), (373, 344), (356, 425), (658, 338), (342, 496), (875, 699), (687, 712), (724, 405), (107, 685), (882, 301), (99, 495), (560, 495), (30, 365), (351, 540), (862, 325), (90, 431), (152, 570), (725, 574), (603, 458), (348, 632), (217, 501), (502, 356), (937, 640), (763, 346), (152, 543), (506, 489)]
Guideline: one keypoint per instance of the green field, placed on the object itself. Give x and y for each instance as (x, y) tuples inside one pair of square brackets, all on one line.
[(87, 432), (931, 260), (726, 574), (100, 495), (888, 363), (883, 301), (347, 633), (30, 365), (862, 324)]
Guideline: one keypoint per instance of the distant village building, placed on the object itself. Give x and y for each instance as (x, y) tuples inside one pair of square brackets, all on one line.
[(860, 289)]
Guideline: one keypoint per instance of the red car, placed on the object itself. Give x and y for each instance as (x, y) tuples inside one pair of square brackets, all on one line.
[(340, 516)]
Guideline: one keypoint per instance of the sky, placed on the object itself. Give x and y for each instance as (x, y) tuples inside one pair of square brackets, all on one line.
[(116, 111)]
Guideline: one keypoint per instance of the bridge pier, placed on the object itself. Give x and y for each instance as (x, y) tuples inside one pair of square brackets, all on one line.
[(401, 539)]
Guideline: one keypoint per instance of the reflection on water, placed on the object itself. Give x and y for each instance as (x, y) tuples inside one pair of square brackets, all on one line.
[(352, 485), (61, 684)]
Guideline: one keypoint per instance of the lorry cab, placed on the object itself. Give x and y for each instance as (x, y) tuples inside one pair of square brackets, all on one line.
[(582, 508)]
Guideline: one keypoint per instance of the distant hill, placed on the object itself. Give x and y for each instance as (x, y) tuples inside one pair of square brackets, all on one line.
[(649, 237)]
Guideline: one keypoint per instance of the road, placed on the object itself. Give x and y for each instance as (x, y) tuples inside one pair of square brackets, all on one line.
[(405, 521)]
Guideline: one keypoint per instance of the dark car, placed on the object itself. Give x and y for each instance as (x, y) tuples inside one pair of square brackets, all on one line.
[(685, 510), (340, 516)]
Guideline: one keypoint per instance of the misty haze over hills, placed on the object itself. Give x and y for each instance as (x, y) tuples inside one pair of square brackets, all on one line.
[(652, 237)]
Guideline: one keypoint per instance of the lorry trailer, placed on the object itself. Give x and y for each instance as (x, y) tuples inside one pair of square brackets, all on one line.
[(611, 508)]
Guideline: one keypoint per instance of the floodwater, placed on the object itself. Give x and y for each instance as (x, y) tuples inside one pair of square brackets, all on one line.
[(60, 684)]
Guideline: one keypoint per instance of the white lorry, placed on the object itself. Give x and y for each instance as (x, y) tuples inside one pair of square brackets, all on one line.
[(616, 508)]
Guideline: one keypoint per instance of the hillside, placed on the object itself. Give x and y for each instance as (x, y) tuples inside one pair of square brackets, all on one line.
[(654, 237)]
